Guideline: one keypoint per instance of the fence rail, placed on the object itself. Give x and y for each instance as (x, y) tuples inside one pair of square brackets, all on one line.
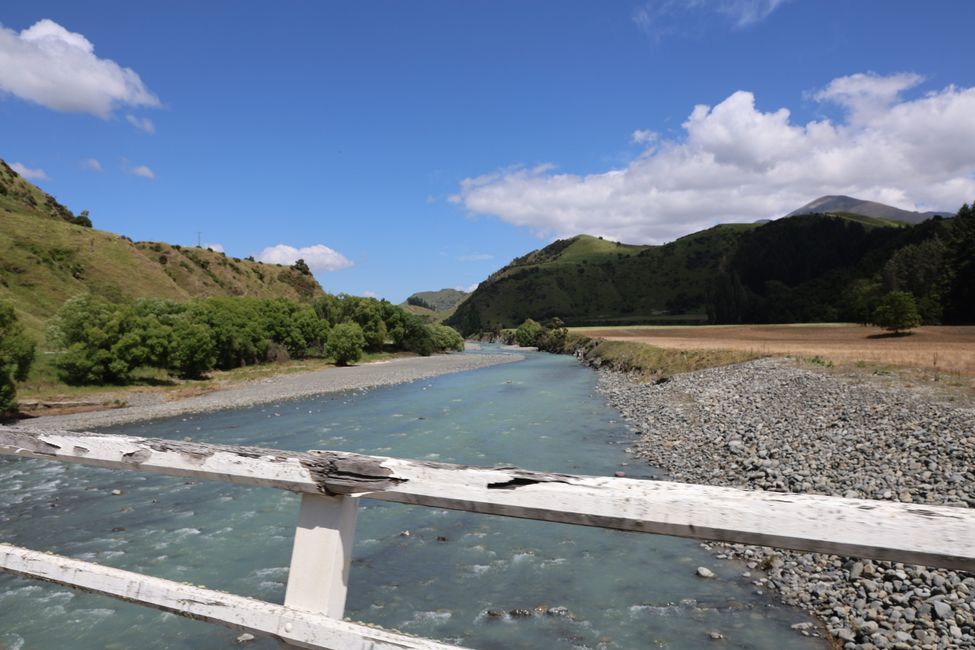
[(331, 483)]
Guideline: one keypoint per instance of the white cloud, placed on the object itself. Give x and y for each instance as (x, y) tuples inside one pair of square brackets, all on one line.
[(91, 164), (318, 257), (662, 17), (643, 136), (48, 65), (141, 123), (476, 257), (217, 248), (144, 172), (370, 294), (738, 163), (28, 173)]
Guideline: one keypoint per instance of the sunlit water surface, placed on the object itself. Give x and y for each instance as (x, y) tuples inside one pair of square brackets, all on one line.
[(622, 590)]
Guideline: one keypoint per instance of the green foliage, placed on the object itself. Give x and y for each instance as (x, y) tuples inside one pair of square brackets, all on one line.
[(346, 343), (528, 332), (445, 338), (554, 337), (959, 304), (897, 312), (16, 356), (193, 352), (302, 267), (417, 301)]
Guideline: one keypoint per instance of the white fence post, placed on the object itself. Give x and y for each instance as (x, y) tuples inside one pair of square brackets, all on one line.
[(319, 576)]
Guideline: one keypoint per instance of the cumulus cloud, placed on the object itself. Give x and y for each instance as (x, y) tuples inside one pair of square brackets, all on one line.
[(144, 172), (217, 248), (28, 173), (51, 66), (318, 257), (141, 123), (91, 164), (736, 162)]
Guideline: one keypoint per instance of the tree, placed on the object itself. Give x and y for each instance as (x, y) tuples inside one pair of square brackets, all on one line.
[(897, 312), (960, 262), (193, 351), (16, 356), (528, 332), (301, 267), (346, 343)]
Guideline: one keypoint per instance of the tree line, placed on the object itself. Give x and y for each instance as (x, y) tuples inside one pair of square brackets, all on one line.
[(103, 342)]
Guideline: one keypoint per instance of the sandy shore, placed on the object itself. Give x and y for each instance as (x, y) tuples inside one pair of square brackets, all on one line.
[(284, 387)]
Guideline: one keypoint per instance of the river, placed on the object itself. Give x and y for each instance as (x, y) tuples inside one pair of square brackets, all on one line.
[(430, 572)]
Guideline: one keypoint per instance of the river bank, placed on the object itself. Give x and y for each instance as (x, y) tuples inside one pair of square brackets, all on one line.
[(279, 388), (771, 425)]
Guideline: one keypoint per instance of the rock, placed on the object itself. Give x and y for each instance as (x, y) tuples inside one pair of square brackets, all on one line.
[(557, 611), (705, 572), (245, 637), (520, 613), (771, 425), (715, 636), (942, 610), (116, 492)]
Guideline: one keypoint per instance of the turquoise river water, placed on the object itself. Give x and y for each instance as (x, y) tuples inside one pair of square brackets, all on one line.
[(622, 590)]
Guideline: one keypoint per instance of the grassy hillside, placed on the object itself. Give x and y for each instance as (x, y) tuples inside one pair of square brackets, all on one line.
[(46, 259), (444, 300), (822, 267), (587, 280)]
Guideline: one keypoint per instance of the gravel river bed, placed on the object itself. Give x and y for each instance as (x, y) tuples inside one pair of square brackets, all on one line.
[(771, 425)]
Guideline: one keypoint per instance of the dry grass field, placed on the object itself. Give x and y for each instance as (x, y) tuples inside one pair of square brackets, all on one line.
[(938, 349)]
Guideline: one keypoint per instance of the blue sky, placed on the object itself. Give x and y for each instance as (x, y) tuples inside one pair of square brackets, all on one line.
[(417, 145)]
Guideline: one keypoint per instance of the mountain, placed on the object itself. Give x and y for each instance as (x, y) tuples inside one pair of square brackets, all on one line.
[(853, 206), (47, 255), (587, 280), (818, 267), (443, 300)]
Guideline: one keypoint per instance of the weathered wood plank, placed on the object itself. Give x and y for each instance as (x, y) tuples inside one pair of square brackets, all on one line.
[(910, 533), (318, 580), (294, 627)]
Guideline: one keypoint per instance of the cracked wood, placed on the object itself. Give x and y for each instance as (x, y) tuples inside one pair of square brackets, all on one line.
[(911, 533)]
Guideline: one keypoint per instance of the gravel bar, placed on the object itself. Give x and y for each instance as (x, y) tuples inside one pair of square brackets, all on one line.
[(283, 387), (771, 425)]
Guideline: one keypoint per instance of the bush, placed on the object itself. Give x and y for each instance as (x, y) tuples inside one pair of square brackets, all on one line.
[(16, 356), (445, 338), (897, 312), (527, 333), (346, 343), (193, 351)]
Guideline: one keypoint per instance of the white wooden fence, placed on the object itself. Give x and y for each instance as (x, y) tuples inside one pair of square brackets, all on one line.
[(331, 483)]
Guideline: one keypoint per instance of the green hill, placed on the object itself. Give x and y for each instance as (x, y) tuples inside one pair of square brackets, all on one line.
[(438, 301), (821, 267), (46, 257), (585, 280)]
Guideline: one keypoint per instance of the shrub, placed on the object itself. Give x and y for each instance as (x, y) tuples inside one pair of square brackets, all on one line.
[(897, 312), (16, 356), (193, 351), (527, 333), (346, 343), (445, 338)]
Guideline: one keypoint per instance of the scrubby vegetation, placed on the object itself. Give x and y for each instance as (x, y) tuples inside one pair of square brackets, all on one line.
[(101, 342), (16, 356)]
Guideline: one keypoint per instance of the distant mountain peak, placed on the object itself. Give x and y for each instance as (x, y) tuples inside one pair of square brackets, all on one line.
[(842, 203)]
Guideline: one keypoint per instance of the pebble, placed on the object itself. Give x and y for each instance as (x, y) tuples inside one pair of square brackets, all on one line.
[(705, 572), (771, 425)]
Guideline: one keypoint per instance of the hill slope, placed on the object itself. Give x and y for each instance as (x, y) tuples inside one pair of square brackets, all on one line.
[(439, 301), (822, 267), (46, 258), (849, 204), (586, 280)]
